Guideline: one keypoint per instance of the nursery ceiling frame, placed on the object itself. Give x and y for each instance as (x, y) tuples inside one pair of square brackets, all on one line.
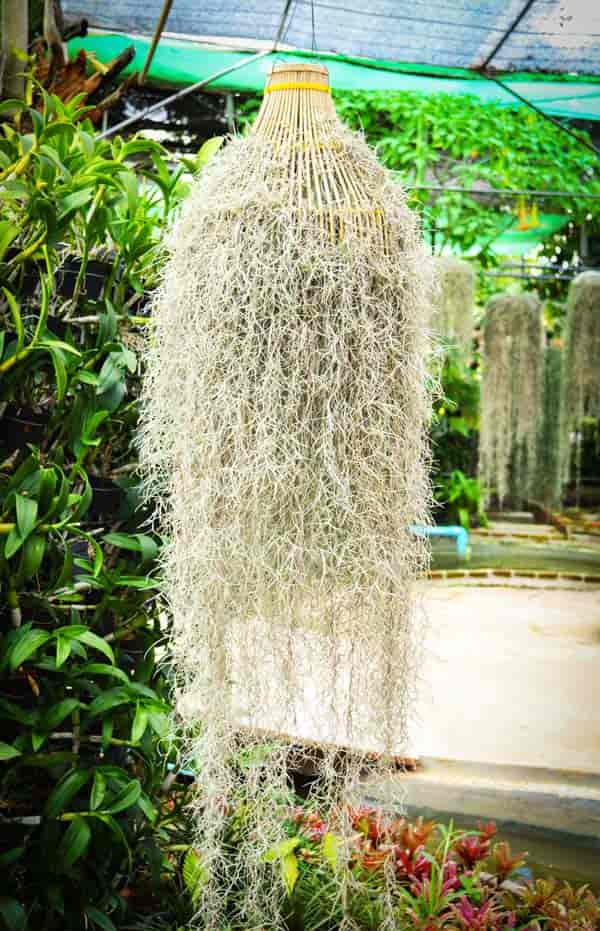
[(543, 36), (209, 46)]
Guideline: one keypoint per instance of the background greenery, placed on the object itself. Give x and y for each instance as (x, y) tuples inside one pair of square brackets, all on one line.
[(90, 819)]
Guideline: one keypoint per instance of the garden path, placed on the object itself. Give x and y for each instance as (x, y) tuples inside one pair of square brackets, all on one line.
[(511, 676)]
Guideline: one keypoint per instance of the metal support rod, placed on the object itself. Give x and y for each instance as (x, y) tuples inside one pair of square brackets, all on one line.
[(179, 95), (545, 116), (164, 14), (508, 32), (520, 276), (499, 192)]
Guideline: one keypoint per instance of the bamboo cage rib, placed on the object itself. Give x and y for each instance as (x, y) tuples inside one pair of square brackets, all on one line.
[(325, 180), (284, 434)]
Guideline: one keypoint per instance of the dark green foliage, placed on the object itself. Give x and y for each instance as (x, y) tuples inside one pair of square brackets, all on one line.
[(86, 817)]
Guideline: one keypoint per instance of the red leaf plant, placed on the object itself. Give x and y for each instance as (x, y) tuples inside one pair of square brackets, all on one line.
[(472, 848), (481, 917)]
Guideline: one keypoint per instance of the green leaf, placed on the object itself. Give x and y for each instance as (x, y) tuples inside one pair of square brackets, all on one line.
[(136, 542), (75, 841), (111, 373), (59, 344), (37, 740), (98, 790), (13, 543), (70, 631), (74, 201), (283, 849), (47, 490), (57, 713), (26, 509), (26, 645), (208, 150), (146, 806), (8, 232), (99, 918), (194, 875), (109, 700), (11, 104), (63, 650), (93, 640), (32, 556), (15, 312), (88, 378), (140, 723), (125, 799), (65, 790), (331, 849), (103, 669), (107, 732), (60, 371), (8, 752), (159, 723), (12, 912), (289, 871), (141, 583)]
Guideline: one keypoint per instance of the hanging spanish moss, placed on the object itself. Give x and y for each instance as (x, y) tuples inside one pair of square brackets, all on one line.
[(581, 363), (284, 431), (454, 302), (511, 396), (549, 484)]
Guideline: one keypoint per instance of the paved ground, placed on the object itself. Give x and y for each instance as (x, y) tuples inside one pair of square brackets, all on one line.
[(511, 676)]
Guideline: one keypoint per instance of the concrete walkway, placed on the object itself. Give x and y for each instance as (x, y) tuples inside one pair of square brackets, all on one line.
[(511, 676)]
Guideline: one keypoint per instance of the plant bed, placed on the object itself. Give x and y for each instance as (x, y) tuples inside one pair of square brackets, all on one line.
[(434, 875)]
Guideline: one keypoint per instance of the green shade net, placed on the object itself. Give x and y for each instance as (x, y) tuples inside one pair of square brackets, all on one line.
[(516, 242), (180, 63)]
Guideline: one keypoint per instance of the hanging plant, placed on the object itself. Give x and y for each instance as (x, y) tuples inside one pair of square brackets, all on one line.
[(511, 396), (581, 362), (454, 301), (284, 430), (549, 451)]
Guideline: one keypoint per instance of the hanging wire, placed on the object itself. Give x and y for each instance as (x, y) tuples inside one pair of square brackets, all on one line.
[(286, 20)]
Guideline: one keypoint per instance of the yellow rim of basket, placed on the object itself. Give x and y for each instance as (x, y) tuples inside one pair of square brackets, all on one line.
[(298, 85)]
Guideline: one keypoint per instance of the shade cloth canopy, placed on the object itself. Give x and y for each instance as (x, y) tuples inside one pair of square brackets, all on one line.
[(181, 62), (508, 35)]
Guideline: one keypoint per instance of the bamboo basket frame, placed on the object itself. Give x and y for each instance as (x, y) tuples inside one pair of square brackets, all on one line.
[(297, 113)]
